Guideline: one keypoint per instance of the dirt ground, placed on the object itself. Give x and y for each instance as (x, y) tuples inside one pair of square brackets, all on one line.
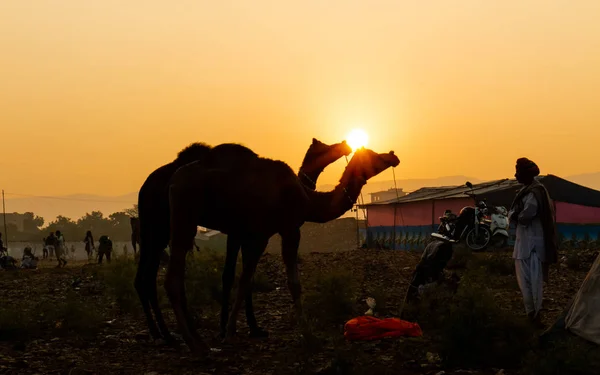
[(120, 344)]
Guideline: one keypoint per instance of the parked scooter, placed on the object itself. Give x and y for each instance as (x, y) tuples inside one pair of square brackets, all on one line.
[(473, 225), (498, 222)]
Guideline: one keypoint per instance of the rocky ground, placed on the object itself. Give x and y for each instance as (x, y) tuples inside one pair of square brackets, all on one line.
[(85, 319)]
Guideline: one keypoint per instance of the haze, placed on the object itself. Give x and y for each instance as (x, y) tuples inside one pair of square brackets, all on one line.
[(97, 94)]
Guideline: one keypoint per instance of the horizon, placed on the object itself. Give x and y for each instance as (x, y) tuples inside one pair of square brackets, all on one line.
[(76, 206)]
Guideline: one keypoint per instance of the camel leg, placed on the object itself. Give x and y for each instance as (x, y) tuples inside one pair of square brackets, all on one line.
[(183, 229), (143, 287), (253, 250), (255, 330), (290, 241), (233, 247), (153, 298)]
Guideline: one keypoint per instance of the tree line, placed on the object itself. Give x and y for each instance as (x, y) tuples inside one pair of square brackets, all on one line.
[(116, 225)]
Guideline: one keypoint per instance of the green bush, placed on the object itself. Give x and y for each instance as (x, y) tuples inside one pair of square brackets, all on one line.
[(566, 354), (119, 276), (203, 278), (57, 318), (573, 261), (331, 298), (469, 328), (499, 264), (461, 257)]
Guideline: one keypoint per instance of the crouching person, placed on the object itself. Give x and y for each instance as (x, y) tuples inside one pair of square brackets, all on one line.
[(105, 248), (29, 260), (431, 267)]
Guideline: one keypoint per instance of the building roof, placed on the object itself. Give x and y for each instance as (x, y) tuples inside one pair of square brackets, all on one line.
[(501, 192)]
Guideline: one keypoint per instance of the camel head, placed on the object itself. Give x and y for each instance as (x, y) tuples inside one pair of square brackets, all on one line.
[(320, 155), (366, 163)]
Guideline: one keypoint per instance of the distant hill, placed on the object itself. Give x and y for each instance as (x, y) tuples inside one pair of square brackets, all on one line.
[(591, 180), (77, 205), (72, 206)]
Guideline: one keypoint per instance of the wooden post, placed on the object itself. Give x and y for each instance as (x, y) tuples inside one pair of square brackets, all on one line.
[(357, 229), (4, 216)]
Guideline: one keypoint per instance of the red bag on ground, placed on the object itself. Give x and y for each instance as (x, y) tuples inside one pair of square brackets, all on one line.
[(371, 328)]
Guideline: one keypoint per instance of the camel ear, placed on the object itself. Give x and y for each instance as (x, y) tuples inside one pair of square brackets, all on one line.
[(391, 152), (314, 141), (344, 142)]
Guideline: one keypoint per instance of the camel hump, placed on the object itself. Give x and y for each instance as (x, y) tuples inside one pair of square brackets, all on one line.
[(233, 149), (193, 152)]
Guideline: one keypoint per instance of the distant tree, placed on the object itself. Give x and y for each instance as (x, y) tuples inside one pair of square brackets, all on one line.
[(96, 222), (12, 232), (132, 212), (32, 223), (68, 227), (121, 228)]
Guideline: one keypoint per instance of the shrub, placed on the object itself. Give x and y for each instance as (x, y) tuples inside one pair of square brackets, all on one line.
[(566, 354), (331, 298), (499, 264), (461, 257), (58, 318), (469, 327), (203, 278), (573, 261), (119, 276)]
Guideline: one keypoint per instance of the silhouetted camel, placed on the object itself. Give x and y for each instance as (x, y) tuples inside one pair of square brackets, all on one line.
[(153, 211), (153, 206), (263, 199), (318, 156)]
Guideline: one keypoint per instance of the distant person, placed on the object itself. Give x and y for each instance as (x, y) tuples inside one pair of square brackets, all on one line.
[(536, 242), (51, 244), (44, 249), (89, 244), (60, 250), (105, 248), (29, 260)]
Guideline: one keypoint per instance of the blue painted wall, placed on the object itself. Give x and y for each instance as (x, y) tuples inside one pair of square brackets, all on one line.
[(416, 237)]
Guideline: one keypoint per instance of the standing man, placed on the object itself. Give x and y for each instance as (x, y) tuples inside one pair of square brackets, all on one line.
[(536, 242), (105, 248), (60, 249)]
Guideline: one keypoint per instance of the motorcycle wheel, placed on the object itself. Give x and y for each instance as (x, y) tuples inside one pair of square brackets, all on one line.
[(481, 241)]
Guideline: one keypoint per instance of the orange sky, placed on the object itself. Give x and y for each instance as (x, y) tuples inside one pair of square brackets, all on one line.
[(96, 94)]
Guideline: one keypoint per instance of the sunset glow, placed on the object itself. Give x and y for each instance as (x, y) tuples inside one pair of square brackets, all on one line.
[(357, 138)]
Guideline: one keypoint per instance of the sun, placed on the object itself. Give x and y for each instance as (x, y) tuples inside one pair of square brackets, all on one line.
[(357, 138)]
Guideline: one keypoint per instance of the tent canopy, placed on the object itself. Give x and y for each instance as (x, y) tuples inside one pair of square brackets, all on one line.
[(502, 192)]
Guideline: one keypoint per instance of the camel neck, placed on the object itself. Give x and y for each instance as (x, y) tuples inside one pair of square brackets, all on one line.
[(331, 205), (309, 178)]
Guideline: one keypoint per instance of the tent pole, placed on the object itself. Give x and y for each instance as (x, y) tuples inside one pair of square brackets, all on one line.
[(4, 216), (394, 233)]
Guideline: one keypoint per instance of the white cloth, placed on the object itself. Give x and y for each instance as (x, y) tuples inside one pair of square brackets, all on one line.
[(29, 262), (531, 282), (583, 318), (530, 232)]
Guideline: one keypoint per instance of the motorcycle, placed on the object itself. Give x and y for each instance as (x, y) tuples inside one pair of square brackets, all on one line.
[(473, 224)]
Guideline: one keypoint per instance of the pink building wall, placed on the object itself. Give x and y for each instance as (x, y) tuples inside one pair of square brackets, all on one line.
[(414, 213), (570, 213)]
